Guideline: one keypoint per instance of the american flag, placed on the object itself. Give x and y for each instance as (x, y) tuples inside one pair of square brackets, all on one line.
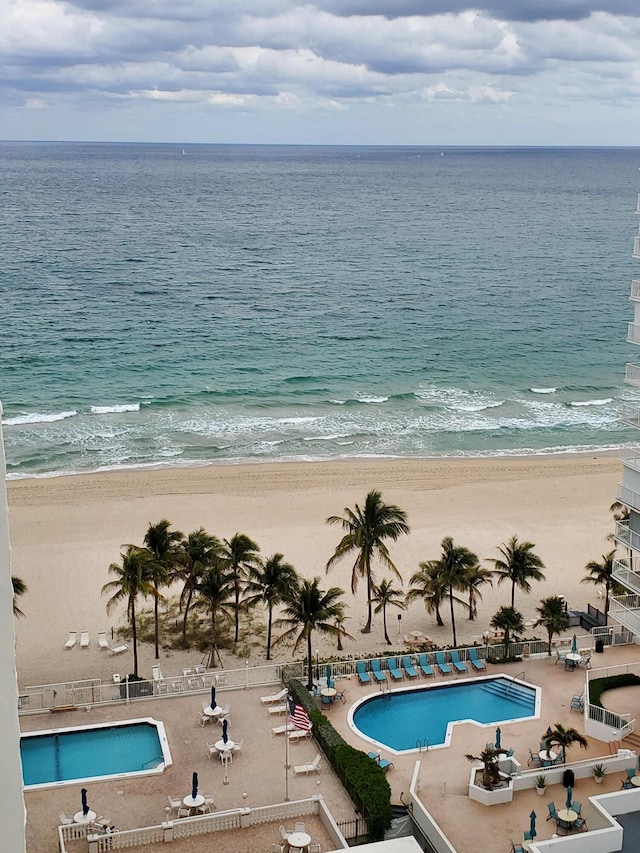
[(298, 716)]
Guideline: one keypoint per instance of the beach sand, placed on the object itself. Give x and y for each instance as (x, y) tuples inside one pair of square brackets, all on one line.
[(65, 531)]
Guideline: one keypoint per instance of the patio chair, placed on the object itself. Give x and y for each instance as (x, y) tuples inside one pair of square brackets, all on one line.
[(64, 820), (84, 639), (626, 785), (475, 661), (586, 662), (340, 695), (212, 749), (226, 755), (577, 703), (315, 847), (553, 813), (103, 643), (72, 640), (444, 667), (299, 826), (490, 746), (581, 824), (210, 801), (528, 835), (455, 660), (408, 667), (516, 848), (174, 802), (204, 720), (284, 833), (273, 698), (237, 747), (577, 807), (376, 670), (326, 701), (425, 667), (182, 812), (394, 672), (363, 675), (313, 767), (225, 713), (631, 772), (560, 656), (533, 758)]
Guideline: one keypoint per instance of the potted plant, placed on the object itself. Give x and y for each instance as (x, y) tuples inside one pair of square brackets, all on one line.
[(541, 784), (490, 769), (599, 772)]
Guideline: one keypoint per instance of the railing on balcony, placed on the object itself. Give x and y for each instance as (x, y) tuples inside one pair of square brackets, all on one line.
[(630, 415), (636, 247), (624, 575), (633, 332), (626, 537), (638, 204), (628, 497), (625, 609), (630, 456), (632, 375), (635, 289)]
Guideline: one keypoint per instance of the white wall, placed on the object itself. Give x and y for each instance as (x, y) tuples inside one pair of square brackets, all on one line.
[(12, 810)]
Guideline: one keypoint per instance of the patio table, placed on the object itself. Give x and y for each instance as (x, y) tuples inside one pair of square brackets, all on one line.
[(79, 817), (299, 840)]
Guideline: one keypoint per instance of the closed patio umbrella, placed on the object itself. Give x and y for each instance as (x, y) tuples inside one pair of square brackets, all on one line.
[(569, 797), (85, 806), (225, 736), (194, 786), (213, 697), (498, 736), (574, 646), (532, 828)]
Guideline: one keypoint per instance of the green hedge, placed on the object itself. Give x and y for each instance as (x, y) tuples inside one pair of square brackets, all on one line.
[(364, 781), (599, 685)]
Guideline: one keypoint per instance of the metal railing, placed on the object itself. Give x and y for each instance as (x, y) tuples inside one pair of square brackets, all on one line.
[(626, 495), (632, 372), (624, 575), (636, 247), (633, 333), (626, 536), (635, 289), (626, 610)]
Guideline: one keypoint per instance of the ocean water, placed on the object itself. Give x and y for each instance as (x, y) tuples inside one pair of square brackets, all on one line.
[(163, 305)]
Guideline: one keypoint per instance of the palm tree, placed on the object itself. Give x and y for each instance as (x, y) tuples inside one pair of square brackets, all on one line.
[(428, 585), (490, 766), (366, 530), (601, 574), (19, 588), (215, 591), (519, 565), (307, 609), (620, 512), (386, 596), (509, 620), (163, 544), (454, 566), (476, 577), (553, 617), (134, 577), (564, 738), (198, 552), (239, 555), (269, 584)]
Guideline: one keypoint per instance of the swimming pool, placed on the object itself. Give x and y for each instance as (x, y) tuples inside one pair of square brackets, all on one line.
[(411, 718), (103, 751)]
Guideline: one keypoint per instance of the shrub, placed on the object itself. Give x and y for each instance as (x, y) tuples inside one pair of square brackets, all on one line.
[(598, 686)]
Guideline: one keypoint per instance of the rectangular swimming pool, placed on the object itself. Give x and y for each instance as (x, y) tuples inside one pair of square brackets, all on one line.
[(106, 750)]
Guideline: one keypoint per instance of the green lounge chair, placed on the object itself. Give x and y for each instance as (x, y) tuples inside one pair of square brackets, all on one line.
[(444, 667), (363, 675), (424, 665), (376, 671), (394, 672), (475, 661), (409, 667)]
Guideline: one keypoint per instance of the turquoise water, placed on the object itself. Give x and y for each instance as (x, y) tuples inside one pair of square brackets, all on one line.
[(66, 756), (265, 303), (401, 720)]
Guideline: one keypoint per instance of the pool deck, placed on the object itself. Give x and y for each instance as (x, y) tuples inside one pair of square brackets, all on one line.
[(259, 772)]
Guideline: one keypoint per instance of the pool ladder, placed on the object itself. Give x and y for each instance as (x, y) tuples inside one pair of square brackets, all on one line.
[(514, 680), (422, 744)]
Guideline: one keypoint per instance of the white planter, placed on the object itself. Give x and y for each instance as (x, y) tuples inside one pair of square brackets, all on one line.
[(540, 791)]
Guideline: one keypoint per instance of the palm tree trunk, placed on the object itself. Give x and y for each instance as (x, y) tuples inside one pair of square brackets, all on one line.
[(309, 663), (269, 633), (134, 637), (607, 589), (439, 620), (367, 627), (473, 610), (237, 595), (513, 593), (184, 618), (156, 635), (384, 622), (453, 618)]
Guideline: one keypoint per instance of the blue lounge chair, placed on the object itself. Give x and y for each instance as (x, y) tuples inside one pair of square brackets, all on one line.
[(475, 661), (363, 675), (409, 667), (394, 672), (383, 763), (455, 660), (444, 667), (376, 671), (424, 665)]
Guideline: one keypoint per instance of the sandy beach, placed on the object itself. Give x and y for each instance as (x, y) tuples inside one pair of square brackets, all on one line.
[(65, 531)]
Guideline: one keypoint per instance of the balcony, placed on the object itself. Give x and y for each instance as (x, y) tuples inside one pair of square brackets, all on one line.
[(628, 497), (625, 609), (633, 332), (632, 375), (636, 247), (626, 537), (630, 415), (624, 575), (635, 290)]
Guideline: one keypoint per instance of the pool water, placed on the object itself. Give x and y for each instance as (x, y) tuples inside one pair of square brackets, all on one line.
[(415, 718), (88, 752)]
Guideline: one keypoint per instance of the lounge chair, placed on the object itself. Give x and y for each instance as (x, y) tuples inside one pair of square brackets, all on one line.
[(276, 709), (280, 730), (455, 660), (71, 641), (444, 667), (394, 672), (298, 734), (475, 661), (103, 643), (376, 670), (383, 763), (84, 639), (363, 675), (117, 650), (313, 767), (408, 667), (274, 697), (423, 663)]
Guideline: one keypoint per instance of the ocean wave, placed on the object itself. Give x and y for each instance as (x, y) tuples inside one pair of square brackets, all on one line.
[(475, 407), (115, 410), (371, 398), (543, 390), (38, 418), (579, 403)]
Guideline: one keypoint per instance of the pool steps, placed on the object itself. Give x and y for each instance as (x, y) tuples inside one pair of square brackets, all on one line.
[(518, 693)]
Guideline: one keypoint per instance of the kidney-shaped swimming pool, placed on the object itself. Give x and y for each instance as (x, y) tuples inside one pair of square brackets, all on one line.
[(412, 718)]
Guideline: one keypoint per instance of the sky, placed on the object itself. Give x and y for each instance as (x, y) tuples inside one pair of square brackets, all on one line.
[(371, 72)]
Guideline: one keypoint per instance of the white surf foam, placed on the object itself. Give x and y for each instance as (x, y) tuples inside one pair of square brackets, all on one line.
[(38, 418), (115, 410)]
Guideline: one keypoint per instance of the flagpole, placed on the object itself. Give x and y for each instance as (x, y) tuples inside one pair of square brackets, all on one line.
[(286, 762)]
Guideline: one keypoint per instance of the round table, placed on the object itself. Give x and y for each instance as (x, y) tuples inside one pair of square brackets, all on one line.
[(299, 840), (568, 815), (79, 817), (212, 712), (193, 802), (548, 755), (221, 746), (329, 692), (574, 658), (635, 781)]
